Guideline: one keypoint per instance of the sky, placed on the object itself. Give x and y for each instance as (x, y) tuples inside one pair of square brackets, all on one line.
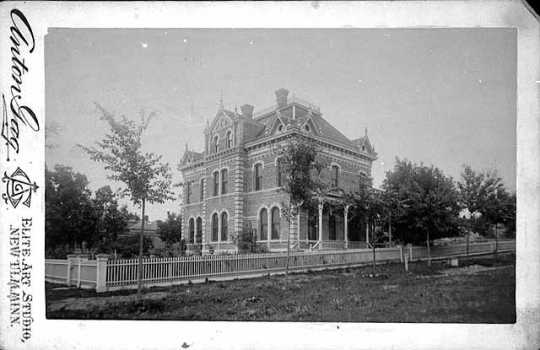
[(443, 97)]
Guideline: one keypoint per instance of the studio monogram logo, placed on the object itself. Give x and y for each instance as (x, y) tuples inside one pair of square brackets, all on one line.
[(18, 188)]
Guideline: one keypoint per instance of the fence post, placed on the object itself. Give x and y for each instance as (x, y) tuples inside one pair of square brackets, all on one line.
[(410, 252), (79, 260), (72, 259), (406, 263), (400, 253), (68, 273), (101, 272)]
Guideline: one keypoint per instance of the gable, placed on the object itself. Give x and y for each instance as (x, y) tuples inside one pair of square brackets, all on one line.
[(221, 121), (190, 157), (279, 122), (309, 126)]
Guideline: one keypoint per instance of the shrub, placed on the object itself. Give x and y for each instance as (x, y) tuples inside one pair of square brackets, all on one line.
[(126, 247), (247, 241)]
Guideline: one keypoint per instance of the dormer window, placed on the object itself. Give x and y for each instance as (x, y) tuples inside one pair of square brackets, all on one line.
[(215, 144), (229, 139), (363, 148)]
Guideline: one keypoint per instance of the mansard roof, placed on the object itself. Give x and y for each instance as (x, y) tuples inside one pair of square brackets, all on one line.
[(297, 114), (294, 114)]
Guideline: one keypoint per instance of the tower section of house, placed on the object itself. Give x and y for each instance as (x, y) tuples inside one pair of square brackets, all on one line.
[(235, 184)]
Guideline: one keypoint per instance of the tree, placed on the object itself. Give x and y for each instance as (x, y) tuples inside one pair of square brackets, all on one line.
[(111, 221), (146, 179), (483, 194), (302, 167), (70, 218), (369, 204), (509, 214), (432, 209), (170, 231)]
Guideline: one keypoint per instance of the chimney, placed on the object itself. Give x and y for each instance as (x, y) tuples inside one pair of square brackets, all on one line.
[(281, 97), (247, 111)]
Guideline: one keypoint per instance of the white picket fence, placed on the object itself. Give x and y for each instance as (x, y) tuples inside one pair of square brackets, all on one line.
[(159, 270), (104, 274)]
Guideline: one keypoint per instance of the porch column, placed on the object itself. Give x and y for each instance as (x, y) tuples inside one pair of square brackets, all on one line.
[(367, 232), (321, 206), (298, 228), (346, 226)]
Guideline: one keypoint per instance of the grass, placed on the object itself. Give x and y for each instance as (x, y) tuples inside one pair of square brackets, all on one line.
[(480, 291)]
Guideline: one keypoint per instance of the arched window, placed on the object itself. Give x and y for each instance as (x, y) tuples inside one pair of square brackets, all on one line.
[(216, 183), (263, 224), (306, 127), (224, 226), (191, 230), (198, 237), (229, 139), (258, 177), (275, 223), (201, 187), (216, 144), (335, 176), (224, 181), (215, 227)]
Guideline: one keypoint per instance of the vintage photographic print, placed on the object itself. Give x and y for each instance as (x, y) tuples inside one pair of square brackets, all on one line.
[(261, 175)]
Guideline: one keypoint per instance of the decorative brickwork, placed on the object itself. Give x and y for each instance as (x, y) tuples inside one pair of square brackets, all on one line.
[(238, 144)]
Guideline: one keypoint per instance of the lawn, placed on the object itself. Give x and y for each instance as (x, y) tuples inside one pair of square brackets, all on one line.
[(479, 291)]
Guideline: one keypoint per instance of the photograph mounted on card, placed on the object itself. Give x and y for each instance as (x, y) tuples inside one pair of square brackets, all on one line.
[(298, 197)]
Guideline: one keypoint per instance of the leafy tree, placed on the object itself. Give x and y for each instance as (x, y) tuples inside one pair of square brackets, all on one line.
[(302, 167), (146, 179), (508, 218), (369, 204), (73, 216), (111, 221), (483, 194), (170, 230), (431, 211), (70, 218)]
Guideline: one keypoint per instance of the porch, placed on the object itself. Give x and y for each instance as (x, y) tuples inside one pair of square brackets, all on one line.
[(331, 227)]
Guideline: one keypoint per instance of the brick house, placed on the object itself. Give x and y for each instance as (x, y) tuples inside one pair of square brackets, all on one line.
[(234, 184)]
